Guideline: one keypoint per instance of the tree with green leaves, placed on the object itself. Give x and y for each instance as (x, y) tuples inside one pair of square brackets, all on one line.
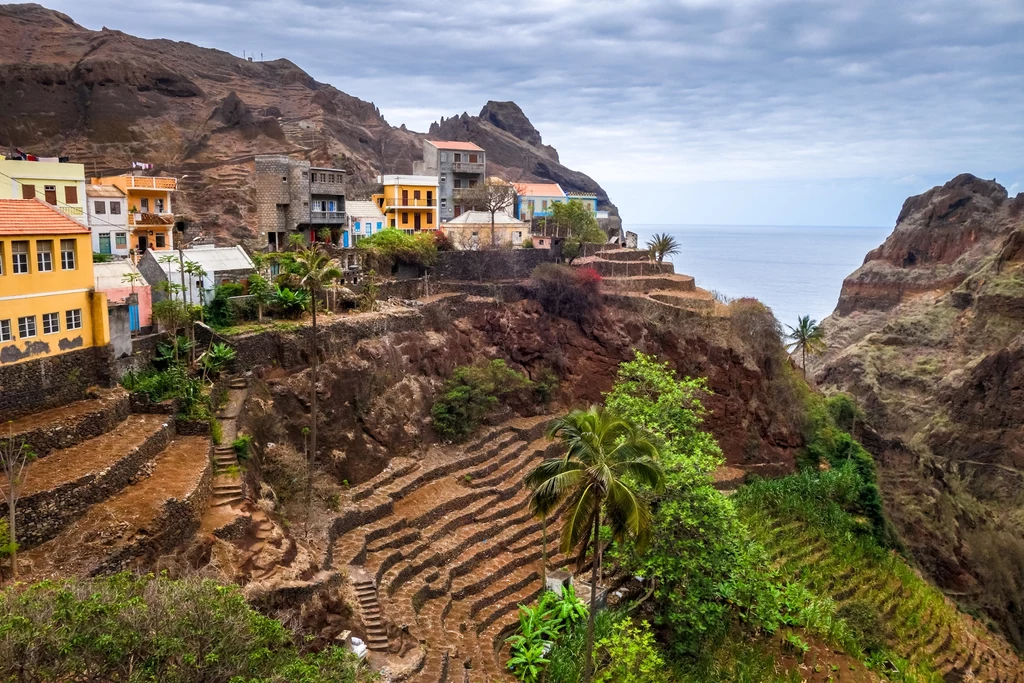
[(132, 279), (807, 337), (15, 457), (262, 291), (573, 219), (607, 462), (315, 269), (661, 245)]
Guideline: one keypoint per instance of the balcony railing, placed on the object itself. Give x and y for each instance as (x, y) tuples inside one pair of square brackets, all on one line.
[(151, 183), (317, 187), (150, 218), (70, 210), (327, 216), (468, 167), (408, 202)]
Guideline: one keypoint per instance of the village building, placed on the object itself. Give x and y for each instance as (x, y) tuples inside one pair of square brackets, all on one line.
[(47, 303), (60, 184), (535, 200), (457, 166), (219, 265), (293, 196), (150, 209), (364, 219), (472, 230), (123, 285), (589, 200), (107, 211), (408, 202)]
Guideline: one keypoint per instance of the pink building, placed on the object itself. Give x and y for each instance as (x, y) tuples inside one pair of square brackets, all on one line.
[(114, 279)]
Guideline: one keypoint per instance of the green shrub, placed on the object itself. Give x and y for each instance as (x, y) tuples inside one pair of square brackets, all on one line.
[(131, 628), (472, 392), (242, 445), (7, 546), (389, 247), (290, 303), (629, 655)]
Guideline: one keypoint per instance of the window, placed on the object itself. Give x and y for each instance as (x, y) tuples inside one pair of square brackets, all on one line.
[(444, 177), (444, 156), (26, 327), (121, 240), (50, 194), (5, 331), (444, 203), (19, 257), (331, 206), (73, 319), (28, 191), (457, 184), (405, 217), (70, 194), (67, 254), (456, 157), (379, 225), (358, 229), (330, 177), (51, 323), (415, 194), (544, 205), (430, 217), (44, 255), (305, 174), (161, 240), (472, 158), (144, 204), (1, 258), (159, 205), (115, 208), (100, 207)]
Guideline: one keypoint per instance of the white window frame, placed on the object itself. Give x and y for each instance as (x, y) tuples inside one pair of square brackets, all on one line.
[(68, 257), (51, 323), (115, 208), (99, 207), (19, 259), (73, 319), (5, 331), (120, 236), (44, 257), (444, 177), (27, 324)]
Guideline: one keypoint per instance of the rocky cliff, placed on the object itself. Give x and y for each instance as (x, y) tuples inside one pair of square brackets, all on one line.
[(106, 99), (929, 336)]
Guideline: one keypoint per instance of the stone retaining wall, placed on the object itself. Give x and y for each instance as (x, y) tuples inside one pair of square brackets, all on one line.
[(177, 522), (490, 264), (110, 411), (35, 385), (42, 515)]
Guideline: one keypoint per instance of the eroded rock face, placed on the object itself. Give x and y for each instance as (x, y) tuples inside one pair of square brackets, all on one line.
[(928, 336)]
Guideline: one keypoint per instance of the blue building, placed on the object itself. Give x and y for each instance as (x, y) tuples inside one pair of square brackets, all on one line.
[(534, 200), (364, 219)]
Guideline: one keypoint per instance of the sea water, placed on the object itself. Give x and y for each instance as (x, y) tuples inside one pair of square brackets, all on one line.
[(794, 270)]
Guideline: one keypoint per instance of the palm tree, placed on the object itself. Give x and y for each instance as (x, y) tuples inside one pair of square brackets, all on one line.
[(605, 457), (315, 269), (662, 245), (808, 336)]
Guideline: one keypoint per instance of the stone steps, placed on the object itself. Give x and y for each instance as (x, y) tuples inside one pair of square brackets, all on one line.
[(372, 616)]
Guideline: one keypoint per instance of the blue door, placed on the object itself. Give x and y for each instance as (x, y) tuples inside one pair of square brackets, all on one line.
[(133, 317)]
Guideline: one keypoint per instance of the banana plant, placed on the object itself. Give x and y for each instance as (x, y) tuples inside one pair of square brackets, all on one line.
[(528, 664)]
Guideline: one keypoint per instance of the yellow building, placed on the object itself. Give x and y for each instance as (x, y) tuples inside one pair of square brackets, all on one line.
[(47, 302), (408, 202), (150, 210), (61, 185)]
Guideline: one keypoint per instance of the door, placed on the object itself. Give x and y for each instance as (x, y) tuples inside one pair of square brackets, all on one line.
[(133, 317), (405, 197), (51, 195), (104, 242), (143, 244), (416, 220)]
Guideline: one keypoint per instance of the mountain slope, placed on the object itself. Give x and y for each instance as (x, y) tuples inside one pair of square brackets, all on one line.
[(929, 336), (106, 98)]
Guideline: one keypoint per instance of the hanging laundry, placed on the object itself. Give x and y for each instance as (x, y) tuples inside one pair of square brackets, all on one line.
[(142, 165)]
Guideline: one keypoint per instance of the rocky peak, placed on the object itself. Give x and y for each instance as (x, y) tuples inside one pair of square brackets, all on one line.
[(510, 118)]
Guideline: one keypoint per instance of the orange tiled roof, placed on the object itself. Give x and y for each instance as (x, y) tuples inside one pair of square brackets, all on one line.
[(34, 217), (539, 189), (452, 144)]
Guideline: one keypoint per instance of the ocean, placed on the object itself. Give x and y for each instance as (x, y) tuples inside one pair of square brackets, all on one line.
[(795, 270)]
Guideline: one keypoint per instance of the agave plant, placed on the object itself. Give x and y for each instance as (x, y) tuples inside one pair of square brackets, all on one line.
[(216, 358)]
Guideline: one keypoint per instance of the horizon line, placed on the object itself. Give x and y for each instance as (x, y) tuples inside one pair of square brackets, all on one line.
[(752, 225)]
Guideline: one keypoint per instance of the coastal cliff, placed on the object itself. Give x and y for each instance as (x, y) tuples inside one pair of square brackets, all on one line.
[(928, 336)]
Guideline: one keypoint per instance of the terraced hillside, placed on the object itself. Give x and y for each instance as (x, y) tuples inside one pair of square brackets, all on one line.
[(446, 548), (112, 490), (917, 621)]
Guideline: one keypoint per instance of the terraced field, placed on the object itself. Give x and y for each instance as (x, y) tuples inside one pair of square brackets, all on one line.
[(921, 624), (451, 548)]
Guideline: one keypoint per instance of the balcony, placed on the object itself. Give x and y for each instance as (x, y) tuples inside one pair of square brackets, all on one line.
[(150, 219), (151, 183), (329, 217), (468, 167), (408, 203), (72, 211)]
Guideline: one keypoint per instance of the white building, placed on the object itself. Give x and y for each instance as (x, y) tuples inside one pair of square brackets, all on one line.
[(107, 211), (221, 265), (364, 219)]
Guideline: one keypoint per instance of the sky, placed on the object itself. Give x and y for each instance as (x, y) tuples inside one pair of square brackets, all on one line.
[(748, 112)]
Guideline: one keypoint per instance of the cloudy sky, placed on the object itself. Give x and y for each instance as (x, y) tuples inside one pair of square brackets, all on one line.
[(805, 112)]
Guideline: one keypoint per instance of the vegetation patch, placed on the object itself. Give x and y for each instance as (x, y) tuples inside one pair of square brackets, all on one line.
[(389, 247), (567, 292), (474, 391)]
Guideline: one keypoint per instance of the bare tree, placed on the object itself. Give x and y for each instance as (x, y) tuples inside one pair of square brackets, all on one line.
[(14, 461), (491, 196)]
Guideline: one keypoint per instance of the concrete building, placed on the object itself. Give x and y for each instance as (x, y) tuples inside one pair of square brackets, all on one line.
[(536, 199), (408, 202), (150, 209), (456, 166), (47, 302), (123, 285), (472, 230), (59, 184), (107, 211), (220, 264), (589, 200), (364, 219), (292, 196)]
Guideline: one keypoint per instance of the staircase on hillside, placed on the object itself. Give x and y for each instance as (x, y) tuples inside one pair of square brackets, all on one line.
[(376, 630)]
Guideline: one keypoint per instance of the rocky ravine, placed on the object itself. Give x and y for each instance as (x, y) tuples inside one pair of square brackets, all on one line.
[(929, 336), (111, 98)]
